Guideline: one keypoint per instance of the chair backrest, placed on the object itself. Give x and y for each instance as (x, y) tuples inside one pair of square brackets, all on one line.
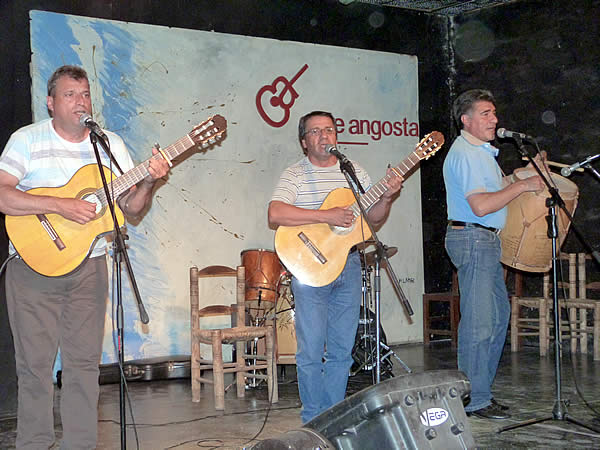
[(577, 284), (587, 289), (238, 309)]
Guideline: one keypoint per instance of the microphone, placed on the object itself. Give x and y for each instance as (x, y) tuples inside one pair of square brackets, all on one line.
[(567, 171), (334, 151), (87, 121), (504, 133)]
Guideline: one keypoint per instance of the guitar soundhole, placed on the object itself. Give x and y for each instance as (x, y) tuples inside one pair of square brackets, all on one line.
[(93, 198), (342, 230)]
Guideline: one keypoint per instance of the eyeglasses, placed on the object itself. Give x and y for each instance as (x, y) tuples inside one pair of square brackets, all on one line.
[(329, 131)]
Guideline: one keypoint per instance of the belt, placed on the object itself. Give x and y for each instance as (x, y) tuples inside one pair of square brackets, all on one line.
[(457, 223)]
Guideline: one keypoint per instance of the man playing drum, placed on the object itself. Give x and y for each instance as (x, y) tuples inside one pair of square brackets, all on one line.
[(477, 195)]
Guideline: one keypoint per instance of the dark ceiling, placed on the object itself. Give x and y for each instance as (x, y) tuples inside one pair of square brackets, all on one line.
[(447, 7)]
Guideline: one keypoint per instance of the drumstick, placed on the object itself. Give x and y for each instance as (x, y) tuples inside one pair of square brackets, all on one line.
[(555, 164)]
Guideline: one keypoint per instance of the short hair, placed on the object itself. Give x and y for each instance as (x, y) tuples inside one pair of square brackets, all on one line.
[(75, 72), (302, 124), (465, 101)]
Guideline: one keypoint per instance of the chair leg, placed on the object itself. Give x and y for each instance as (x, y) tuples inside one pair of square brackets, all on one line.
[(573, 329), (195, 370), (583, 327), (514, 329), (273, 389), (454, 318), (597, 332), (240, 374), (425, 320), (218, 377)]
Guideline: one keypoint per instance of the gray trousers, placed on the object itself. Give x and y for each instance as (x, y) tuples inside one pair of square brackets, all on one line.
[(46, 313)]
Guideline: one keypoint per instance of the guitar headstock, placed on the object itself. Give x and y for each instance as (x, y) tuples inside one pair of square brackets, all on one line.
[(430, 144), (208, 132)]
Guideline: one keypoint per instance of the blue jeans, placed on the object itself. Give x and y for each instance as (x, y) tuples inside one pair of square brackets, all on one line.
[(326, 323), (484, 308)]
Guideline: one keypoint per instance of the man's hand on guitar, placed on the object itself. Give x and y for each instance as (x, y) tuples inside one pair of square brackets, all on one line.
[(77, 210), (157, 168), (340, 217), (393, 184)]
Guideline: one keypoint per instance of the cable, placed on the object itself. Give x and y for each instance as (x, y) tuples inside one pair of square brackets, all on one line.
[(214, 416), (273, 378), (6, 262)]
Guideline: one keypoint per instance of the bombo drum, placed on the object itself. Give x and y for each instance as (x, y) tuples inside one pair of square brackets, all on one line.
[(263, 270), (525, 242)]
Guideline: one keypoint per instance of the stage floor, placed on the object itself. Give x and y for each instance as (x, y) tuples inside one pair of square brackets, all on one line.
[(166, 418)]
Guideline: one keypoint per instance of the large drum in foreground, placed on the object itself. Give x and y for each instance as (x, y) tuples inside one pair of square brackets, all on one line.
[(525, 242)]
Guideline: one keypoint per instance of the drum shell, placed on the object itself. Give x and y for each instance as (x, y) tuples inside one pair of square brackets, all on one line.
[(263, 270), (525, 242)]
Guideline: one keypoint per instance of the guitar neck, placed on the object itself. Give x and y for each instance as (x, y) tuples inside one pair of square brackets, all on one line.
[(132, 177), (376, 191)]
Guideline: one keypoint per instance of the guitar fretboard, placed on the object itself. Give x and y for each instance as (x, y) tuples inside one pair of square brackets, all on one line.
[(203, 136), (425, 148), (138, 173)]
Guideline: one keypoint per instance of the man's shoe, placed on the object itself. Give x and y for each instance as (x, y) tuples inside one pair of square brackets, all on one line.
[(500, 405), (489, 412)]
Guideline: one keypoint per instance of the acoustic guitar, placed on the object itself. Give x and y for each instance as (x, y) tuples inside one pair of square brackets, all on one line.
[(316, 253), (52, 245)]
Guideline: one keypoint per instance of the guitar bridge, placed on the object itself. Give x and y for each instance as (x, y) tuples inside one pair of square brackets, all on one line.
[(312, 247), (46, 225)]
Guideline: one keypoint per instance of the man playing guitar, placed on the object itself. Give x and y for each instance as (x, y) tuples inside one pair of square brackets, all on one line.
[(326, 316)]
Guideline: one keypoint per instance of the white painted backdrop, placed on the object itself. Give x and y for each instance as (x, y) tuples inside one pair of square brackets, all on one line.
[(153, 84)]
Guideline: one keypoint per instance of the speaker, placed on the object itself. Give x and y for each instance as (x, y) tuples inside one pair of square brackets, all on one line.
[(302, 439), (414, 411)]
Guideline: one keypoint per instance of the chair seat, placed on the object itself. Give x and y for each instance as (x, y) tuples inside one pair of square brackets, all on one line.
[(230, 335)]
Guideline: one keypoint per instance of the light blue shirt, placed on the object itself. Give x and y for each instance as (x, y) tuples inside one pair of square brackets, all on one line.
[(469, 169)]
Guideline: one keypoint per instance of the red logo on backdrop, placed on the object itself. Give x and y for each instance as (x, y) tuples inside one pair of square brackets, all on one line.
[(274, 101)]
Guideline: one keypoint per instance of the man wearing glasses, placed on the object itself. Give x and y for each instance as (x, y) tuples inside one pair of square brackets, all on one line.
[(326, 316)]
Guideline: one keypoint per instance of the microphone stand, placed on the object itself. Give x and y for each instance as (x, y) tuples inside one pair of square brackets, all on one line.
[(591, 168), (119, 254), (559, 412), (585, 164), (348, 171)]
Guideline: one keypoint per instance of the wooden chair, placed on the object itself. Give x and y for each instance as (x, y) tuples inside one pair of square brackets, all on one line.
[(238, 334), (583, 312), (431, 321), (577, 327), (522, 324)]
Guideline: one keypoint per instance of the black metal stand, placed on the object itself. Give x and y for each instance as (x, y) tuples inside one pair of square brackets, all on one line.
[(120, 255), (348, 171), (559, 412), (593, 170), (367, 343)]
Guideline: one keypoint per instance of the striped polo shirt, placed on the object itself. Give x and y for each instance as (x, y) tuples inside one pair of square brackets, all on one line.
[(38, 157), (306, 186)]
